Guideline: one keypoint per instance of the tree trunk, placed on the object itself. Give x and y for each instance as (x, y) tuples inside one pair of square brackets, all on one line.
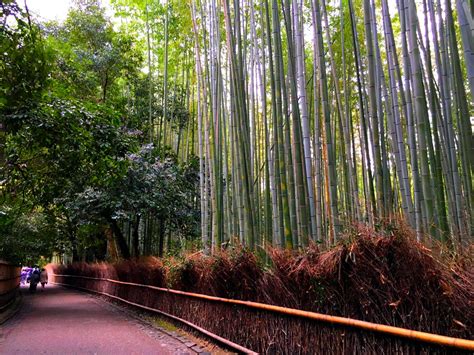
[(119, 238), (161, 236), (136, 237)]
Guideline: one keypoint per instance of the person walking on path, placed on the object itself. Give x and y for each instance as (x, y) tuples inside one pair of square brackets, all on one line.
[(43, 278), (23, 275), (34, 279)]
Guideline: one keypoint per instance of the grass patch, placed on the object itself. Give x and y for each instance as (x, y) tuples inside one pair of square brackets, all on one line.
[(160, 322)]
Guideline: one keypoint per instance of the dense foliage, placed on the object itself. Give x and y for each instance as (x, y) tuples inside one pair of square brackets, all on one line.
[(25, 60), (181, 125), (76, 165)]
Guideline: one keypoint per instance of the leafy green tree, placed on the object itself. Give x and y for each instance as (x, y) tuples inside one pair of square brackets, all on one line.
[(24, 58), (153, 186), (93, 59), (76, 104), (62, 148), (27, 235)]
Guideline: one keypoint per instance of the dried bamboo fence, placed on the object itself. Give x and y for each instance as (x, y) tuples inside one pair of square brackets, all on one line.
[(9, 284), (271, 329)]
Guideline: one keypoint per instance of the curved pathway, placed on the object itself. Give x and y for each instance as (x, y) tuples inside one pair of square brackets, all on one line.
[(62, 321)]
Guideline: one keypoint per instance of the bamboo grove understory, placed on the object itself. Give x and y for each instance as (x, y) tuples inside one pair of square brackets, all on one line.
[(312, 115)]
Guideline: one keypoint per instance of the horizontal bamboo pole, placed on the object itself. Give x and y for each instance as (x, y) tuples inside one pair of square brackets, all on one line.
[(458, 343)]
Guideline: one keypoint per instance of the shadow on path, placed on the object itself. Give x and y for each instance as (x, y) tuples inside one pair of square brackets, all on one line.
[(63, 321)]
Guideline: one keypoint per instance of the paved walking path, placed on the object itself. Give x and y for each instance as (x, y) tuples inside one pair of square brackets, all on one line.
[(62, 321)]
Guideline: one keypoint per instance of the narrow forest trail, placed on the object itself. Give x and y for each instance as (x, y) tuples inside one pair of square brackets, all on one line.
[(62, 321)]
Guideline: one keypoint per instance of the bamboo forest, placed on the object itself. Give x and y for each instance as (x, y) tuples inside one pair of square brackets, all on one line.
[(314, 155)]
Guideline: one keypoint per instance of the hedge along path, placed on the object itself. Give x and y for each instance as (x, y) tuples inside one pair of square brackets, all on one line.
[(414, 335)]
